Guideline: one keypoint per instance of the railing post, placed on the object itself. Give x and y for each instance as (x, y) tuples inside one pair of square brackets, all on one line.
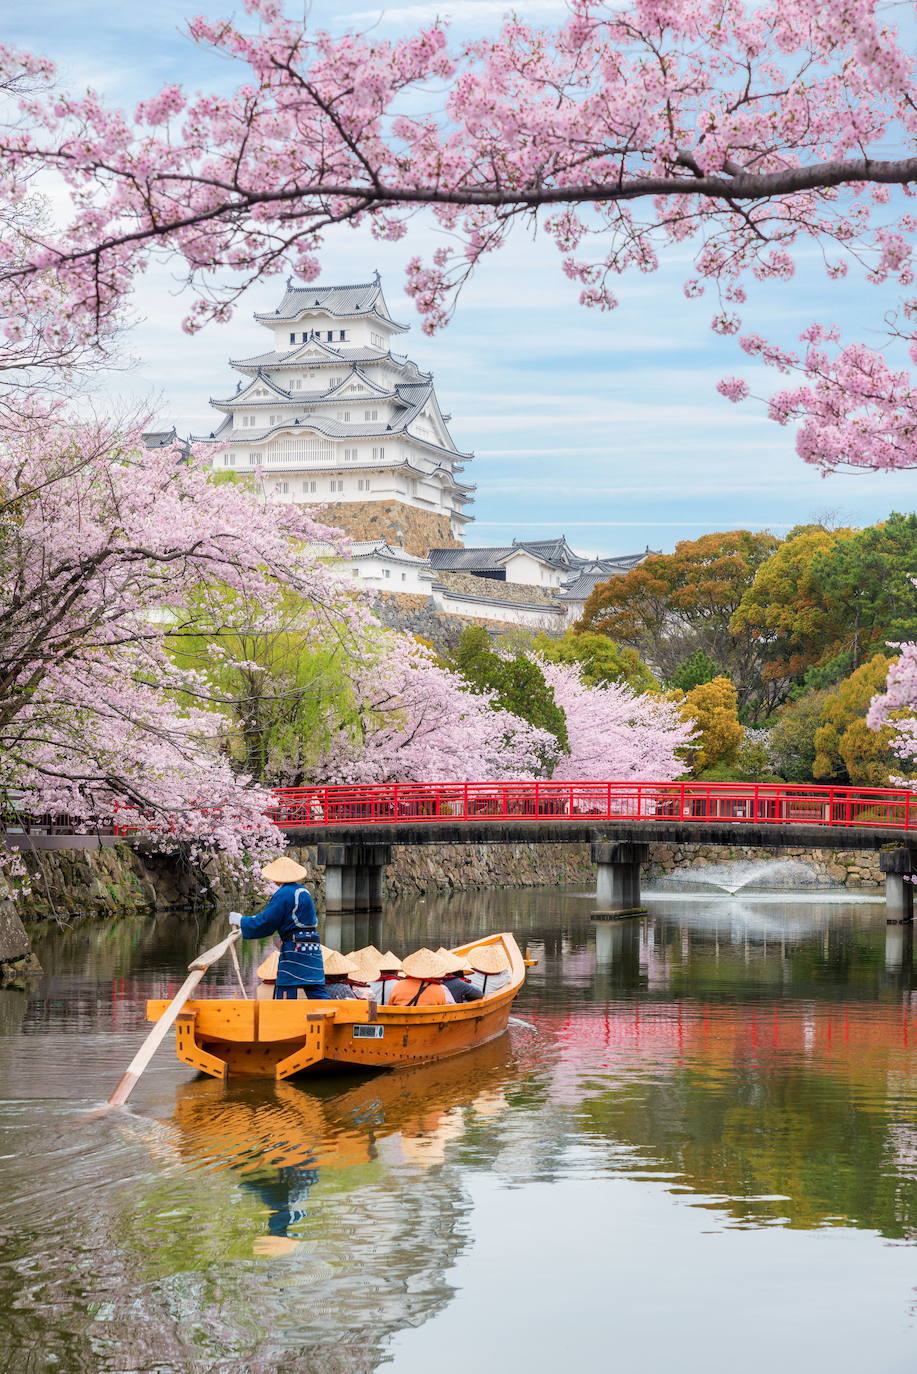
[(755, 808), (465, 802)]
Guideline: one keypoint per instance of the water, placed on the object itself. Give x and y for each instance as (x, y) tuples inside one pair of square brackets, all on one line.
[(700, 1155), (733, 876)]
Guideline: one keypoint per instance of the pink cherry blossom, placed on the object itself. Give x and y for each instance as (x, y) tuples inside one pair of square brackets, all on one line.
[(738, 134)]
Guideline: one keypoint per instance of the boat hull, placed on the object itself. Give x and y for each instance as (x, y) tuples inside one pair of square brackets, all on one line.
[(231, 1037)]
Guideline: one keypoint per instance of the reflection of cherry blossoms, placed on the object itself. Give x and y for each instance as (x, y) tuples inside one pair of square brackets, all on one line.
[(105, 547)]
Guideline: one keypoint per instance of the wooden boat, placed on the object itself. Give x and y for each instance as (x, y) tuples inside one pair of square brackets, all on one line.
[(228, 1036)]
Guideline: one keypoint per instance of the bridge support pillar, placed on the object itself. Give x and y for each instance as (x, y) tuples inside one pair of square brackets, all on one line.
[(617, 887), (354, 875), (900, 869)]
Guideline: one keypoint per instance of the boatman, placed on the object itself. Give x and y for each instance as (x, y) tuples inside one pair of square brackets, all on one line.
[(290, 914)]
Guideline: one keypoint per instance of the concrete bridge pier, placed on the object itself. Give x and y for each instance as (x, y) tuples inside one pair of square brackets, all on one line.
[(900, 868), (617, 887), (354, 875)]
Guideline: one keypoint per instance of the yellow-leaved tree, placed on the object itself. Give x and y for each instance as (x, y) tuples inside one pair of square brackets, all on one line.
[(712, 708)]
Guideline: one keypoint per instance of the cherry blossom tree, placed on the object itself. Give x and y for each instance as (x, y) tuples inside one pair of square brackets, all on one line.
[(614, 733), (106, 549), (414, 721), (740, 134)]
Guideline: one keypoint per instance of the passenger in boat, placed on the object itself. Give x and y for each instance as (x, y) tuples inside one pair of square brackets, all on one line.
[(422, 985), (290, 914), (338, 972), (490, 968), (365, 974), (462, 990), (390, 968)]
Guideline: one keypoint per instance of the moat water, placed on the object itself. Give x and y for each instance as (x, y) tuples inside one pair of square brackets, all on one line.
[(696, 1151)]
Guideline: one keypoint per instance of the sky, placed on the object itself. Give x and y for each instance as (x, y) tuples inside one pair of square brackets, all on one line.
[(604, 427)]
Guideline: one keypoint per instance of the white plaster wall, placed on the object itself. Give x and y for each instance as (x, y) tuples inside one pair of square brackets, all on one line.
[(535, 619), (387, 575), (522, 567)]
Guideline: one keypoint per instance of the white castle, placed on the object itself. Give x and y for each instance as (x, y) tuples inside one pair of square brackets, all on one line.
[(329, 414)]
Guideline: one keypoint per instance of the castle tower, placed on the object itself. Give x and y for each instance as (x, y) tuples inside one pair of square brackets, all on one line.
[(330, 414)]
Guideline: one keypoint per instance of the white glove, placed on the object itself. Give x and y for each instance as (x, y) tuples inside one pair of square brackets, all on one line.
[(235, 918)]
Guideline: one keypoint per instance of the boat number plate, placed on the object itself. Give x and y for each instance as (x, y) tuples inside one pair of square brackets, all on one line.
[(368, 1032)]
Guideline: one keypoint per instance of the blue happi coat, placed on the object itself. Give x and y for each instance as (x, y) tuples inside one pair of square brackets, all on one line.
[(290, 914)]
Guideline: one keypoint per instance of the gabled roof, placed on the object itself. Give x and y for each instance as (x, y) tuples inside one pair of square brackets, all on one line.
[(374, 388), (379, 548), (159, 438), (340, 302), (291, 357), (556, 553)]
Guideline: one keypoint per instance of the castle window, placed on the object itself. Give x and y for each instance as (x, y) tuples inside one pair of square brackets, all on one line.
[(350, 455), (330, 335), (385, 572), (282, 488), (342, 334), (292, 338), (304, 337), (378, 453), (229, 460), (363, 484), (370, 415), (255, 458), (344, 415), (337, 486), (308, 487)]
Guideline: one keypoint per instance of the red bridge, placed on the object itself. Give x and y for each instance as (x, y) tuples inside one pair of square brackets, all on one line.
[(394, 805), (355, 827)]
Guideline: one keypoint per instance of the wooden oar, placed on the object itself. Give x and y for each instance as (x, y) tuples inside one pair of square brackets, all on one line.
[(156, 1036)]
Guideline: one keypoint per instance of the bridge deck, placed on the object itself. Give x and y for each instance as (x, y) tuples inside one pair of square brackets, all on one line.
[(505, 830)]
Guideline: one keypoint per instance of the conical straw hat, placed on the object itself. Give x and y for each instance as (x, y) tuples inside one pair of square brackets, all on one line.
[(336, 965), (284, 870), (369, 950), (455, 962), (488, 959), (366, 968), (267, 969), (425, 964), (390, 963)]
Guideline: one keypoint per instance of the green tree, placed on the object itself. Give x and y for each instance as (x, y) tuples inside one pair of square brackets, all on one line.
[(672, 605), (517, 682), (792, 736), (789, 605), (599, 659), (871, 575), (695, 671), (284, 690)]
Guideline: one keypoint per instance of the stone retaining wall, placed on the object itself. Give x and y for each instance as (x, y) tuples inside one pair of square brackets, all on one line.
[(831, 867)]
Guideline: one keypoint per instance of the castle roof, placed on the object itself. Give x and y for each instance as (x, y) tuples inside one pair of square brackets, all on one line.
[(380, 548), (556, 553), (340, 302)]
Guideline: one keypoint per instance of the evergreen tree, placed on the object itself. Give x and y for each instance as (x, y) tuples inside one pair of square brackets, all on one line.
[(518, 685)]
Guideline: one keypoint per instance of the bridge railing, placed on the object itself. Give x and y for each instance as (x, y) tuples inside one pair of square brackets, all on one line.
[(743, 803)]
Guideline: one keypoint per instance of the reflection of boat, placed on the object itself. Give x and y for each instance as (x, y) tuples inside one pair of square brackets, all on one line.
[(277, 1039), (247, 1129)]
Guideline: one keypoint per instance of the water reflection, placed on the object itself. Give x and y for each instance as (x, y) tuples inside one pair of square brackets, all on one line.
[(753, 1063)]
